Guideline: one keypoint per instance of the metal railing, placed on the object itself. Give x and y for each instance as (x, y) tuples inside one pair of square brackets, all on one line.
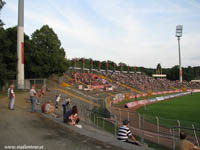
[(176, 137), (146, 128)]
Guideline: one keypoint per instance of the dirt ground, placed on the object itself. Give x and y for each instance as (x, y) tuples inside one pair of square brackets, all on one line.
[(20, 127)]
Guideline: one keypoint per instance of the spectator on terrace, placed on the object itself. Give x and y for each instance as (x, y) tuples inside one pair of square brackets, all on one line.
[(135, 96), (124, 133), (49, 109), (58, 98), (42, 107), (47, 89), (71, 116), (33, 98), (66, 105), (11, 96), (185, 144), (41, 93)]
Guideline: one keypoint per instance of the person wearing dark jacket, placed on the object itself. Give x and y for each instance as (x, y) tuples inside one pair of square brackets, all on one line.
[(71, 116)]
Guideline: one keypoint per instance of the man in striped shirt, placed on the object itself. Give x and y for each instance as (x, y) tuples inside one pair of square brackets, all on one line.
[(124, 133)]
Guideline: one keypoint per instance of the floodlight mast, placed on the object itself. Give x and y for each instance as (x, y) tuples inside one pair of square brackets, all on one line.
[(20, 45), (179, 29)]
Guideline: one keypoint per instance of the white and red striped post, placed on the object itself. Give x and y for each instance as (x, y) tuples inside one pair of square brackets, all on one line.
[(20, 45)]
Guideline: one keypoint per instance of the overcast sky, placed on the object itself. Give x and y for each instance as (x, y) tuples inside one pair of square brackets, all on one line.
[(136, 32)]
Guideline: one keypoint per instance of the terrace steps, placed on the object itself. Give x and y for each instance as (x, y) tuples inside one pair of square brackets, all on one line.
[(122, 85)]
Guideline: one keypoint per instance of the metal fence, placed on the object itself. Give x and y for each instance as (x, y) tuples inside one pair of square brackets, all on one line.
[(144, 127), (176, 140), (26, 84), (155, 129)]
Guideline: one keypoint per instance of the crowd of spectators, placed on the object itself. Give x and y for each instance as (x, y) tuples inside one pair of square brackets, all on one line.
[(143, 82), (138, 81), (70, 114), (91, 80)]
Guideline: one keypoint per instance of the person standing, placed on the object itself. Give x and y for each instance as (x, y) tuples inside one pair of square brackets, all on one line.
[(33, 97), (58, 98), (11, 96), (66, 105)]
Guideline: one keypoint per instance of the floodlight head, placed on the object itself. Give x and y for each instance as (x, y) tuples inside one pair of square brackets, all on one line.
[(179, 29)]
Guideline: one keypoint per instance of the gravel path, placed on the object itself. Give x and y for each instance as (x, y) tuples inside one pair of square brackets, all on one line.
[(19, 127)]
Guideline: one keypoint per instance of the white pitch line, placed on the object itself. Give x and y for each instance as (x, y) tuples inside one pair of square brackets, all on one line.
[(148, 135)]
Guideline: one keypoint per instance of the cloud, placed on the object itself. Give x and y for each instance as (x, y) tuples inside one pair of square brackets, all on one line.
[(11, 9), (135, 32), (194, 3)]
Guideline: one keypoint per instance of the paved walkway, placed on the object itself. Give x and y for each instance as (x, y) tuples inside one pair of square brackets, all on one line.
[(19, 127)]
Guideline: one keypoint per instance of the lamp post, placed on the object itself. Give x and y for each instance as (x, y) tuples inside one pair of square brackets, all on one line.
[(20, 45), (179, 29)]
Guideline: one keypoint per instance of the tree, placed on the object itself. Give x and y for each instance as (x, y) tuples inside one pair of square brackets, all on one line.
[(8, 56), (47, 56), (159, 69), (2, 65), (173, 73), (43, 53), (188, 73), (121, 66), (2, 40), (2, 3)]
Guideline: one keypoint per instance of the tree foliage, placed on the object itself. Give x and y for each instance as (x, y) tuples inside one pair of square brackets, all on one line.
[(189, 73), (159, 69), (44, 56), (2, 3), (43, 53), (8, 55)]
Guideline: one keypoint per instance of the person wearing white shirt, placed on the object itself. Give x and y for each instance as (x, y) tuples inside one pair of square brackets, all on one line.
[(33, 96), (11, 96), (58, 98)]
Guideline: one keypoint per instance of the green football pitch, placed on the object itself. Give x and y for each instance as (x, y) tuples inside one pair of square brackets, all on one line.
[(186, 109)]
